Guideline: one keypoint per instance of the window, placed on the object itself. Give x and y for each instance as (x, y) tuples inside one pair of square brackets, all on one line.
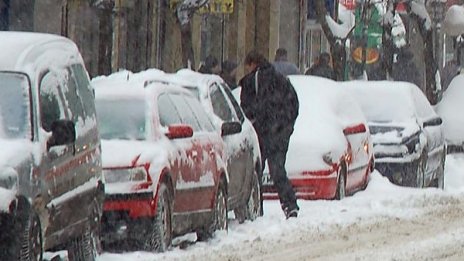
[(238, 109), (51, 102), (84, 90), (185, 111), (199, 112), (220, 106), (167, 111)]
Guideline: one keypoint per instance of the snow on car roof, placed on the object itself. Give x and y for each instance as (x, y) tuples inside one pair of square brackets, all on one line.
[(325, 110), (19, 47), (449, 108), (383, 101)]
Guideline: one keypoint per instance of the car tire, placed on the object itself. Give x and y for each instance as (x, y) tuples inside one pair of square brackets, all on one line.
[(84, 247), (439, 181), (160, 237), (31, 239), (253, 206), (219, 216), (340, 193)]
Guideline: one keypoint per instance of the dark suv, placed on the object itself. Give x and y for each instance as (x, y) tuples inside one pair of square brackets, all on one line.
[(50, 166)]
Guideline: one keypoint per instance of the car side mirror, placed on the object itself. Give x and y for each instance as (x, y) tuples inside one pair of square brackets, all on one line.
[(229, 128), (179, 131), (63, 132), (355, 129), (433, 122)]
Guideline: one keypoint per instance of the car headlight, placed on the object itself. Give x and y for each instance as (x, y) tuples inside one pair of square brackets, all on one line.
[(125, 175), (8, 178)]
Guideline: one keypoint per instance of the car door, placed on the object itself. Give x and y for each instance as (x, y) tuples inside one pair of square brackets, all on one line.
[(431, 125), (201, 182), (239, 155)]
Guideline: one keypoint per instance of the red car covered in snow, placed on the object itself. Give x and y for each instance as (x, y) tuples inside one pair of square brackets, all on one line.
[(330, 153), (163, 165)]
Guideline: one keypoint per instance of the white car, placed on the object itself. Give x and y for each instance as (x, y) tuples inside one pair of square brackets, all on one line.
[(408, 136), (242, 149), (448, 109)]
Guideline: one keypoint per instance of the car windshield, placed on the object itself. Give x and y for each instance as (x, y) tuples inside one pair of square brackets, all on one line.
[(121, 119), (385, 105), (14, 106)]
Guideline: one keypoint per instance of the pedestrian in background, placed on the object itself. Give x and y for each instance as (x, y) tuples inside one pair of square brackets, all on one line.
[(229, 73), (322, 67), (405, 69), (210, 66), (282, 65), (270, 102)]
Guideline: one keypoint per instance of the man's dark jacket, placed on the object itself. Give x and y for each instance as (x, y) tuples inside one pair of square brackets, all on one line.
[(272, 105)]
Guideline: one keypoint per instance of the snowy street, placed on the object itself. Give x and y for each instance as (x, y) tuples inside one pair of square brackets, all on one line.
[(384, 222)]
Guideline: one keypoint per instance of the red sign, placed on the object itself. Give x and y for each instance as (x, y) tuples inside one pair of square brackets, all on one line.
[(349, 4)]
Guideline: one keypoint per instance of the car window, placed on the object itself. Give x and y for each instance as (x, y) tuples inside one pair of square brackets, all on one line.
[(84, 90), (185, 112), (168, 114), (220, 105), (51, 100), (199, 112), (237, 108)]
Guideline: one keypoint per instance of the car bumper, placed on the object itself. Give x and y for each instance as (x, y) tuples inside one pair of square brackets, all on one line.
[(125, 216), (399, 173), (307, 187)]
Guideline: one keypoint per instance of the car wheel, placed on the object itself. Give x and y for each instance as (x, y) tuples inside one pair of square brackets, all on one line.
[(253, 207), (31, 239), (219, 216), (84, 247), (439, 181), (160, 238), (341, 192)]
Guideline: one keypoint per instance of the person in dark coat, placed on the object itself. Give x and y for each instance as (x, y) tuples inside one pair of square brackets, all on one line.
[(282, 65), (210, 66), (229, 73), (322, 67), (405, 69), (270, 102)]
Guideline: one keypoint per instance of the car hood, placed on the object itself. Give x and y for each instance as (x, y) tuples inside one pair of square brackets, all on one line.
[(392, 132), (125, 153)]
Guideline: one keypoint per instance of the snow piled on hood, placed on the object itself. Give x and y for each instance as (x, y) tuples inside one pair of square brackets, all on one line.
[(449, 110), (124, 153), (454, 20), (383, 101), (319, 127), (394, 133)]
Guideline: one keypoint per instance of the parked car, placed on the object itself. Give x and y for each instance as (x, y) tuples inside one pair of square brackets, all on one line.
[(242, 149), (448, 109), (408, 137), (330, 151), (163, 165), (51, 164)]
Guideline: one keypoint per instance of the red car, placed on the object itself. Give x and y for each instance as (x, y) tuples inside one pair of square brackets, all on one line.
[(162, 163), (330, 153)]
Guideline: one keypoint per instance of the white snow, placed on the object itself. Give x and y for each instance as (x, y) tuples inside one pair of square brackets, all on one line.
[(454, 20), (6, 197), (339, 30), (450, 108), (418, 8), (319, 127), (380, 200)]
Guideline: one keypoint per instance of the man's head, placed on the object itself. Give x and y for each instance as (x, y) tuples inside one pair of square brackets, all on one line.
[(252, 60), (324, 59), (281, 55), (229, 68), (212, 63)]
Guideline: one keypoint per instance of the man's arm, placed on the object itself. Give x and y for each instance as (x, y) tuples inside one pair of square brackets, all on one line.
[(247, 97)]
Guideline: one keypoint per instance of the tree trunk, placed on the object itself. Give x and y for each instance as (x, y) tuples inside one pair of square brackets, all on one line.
[(337, 45), (387, 38), (431, 68)]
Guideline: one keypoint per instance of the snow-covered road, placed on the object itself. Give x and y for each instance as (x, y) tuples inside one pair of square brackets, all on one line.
[(384, 222)]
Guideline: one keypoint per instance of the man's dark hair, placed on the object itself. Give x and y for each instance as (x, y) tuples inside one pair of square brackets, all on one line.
[(281, 54), (211, 61), (255, 57), (324, 58)]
